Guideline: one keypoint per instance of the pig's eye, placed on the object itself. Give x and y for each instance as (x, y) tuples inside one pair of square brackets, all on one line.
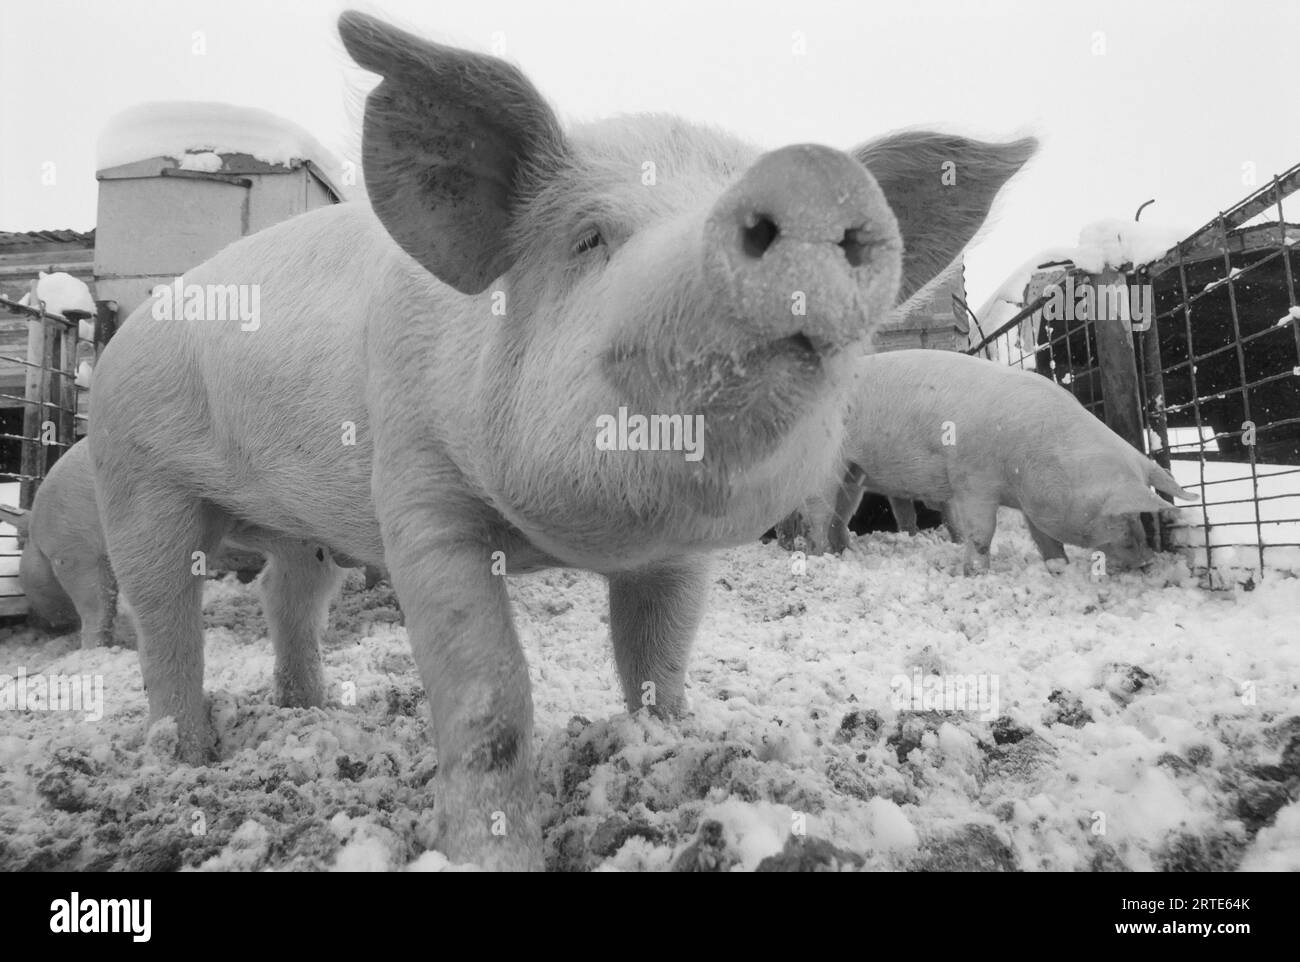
[(590, 241)]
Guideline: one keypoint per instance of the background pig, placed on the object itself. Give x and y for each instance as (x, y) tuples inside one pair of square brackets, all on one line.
[(424, 382), (972, 435), (64, 570)]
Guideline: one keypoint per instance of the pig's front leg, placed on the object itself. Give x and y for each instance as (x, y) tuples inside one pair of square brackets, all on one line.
[(954, 532), (847, 499), (653, 616), (904, 514), (106, 615), (297, 584), (837, 534), (793, 532), (977, 520), (469, 657), (1053, 551), (90, 584)]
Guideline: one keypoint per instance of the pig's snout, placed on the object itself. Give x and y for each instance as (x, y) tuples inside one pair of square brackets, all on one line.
[(804, 244)]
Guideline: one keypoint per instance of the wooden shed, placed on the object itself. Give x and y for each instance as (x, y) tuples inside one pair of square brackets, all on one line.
[(158, 218), (931, 320), (177, 183)]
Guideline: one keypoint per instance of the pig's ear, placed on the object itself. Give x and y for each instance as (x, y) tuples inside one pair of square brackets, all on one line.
[(1162, 480), (940, 188), (446, 138), (1134, 500)]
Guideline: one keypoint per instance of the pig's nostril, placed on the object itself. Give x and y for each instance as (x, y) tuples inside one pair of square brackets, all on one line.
[(757, 235), (856, 244)]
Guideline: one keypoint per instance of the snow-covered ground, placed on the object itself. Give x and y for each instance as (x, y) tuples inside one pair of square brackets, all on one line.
[(1140, 722)]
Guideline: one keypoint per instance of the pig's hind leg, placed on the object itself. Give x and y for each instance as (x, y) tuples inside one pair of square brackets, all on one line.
[(154, 535), (976, 520), (297, 584), (46, 596), (1053, 551), (653, 616)]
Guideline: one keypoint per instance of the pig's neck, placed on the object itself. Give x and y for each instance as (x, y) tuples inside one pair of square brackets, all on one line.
[(560, 455)]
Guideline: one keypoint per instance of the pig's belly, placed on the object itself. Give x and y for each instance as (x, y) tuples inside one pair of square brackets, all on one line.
[(920, 479)]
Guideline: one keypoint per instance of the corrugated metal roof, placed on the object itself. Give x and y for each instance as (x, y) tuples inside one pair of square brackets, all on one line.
[(30, 238)]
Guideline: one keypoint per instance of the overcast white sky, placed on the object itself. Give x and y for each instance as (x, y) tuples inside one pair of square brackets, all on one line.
[(1185, 93)]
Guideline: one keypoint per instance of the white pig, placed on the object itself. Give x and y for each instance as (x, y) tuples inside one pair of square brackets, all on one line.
[(426, 382), (968, 435), (64, 570)]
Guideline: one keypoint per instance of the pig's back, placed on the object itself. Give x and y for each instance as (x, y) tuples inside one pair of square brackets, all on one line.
[(927, 424)]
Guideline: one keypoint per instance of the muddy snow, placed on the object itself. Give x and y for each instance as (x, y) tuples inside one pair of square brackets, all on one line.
[(1136, 721)]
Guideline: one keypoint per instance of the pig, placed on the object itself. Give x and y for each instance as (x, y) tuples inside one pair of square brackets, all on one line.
[(427, 378), (967, 435), (64, 570)]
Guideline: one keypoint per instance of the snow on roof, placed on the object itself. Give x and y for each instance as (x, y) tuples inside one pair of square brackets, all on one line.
[(1012, 290), (1102, 244), (62, 293), (180, 128), (1116, 243)]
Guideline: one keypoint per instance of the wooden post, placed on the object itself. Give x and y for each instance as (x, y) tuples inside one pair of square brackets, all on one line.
[(105, 325), (33, 459), (67, 384), (1119, 379), (1119, 376), (1154, 409), (50, 378)]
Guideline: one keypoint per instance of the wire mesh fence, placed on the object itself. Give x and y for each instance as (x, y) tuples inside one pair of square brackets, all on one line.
[(45, 359), (1222, 391), (1197, 363)]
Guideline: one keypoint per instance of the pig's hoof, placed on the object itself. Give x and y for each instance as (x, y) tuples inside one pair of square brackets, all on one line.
[(299, 692), (489, 820), (1056, 566), (673, 710), (191, 744)]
